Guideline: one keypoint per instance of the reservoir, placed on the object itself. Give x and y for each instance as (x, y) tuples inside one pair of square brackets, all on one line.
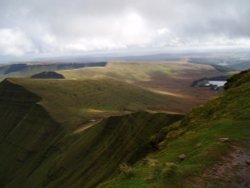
[(216, 83)]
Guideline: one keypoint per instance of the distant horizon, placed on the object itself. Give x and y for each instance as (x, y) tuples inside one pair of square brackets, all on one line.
[(113, 54)]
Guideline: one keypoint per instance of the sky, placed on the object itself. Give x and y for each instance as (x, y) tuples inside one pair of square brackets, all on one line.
[(66, 27)]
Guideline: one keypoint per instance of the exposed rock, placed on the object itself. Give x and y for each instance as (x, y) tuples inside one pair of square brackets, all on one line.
[(151, 162), (182, 157), (224, 139), (126, 170), (248, 162)]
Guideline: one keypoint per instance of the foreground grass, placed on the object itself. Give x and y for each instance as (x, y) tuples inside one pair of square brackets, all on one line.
[(197, 137), (202, 148)]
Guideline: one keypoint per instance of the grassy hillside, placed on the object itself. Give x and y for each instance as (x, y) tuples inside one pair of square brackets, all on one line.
[(122, 71), (30, 68), (26, 131), (166, 77), (136, 72), (197, 137), (133, 150), (88, 158), (75, 102), (37, 152), (170, 78)]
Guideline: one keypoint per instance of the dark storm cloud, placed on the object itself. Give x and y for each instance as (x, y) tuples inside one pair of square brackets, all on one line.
[(62, 26)]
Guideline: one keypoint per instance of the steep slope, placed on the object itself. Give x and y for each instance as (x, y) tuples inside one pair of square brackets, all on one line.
[(202, 140), (26, 131), (36, 151), (88, 158)]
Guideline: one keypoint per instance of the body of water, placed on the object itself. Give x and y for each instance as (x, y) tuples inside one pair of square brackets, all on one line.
[(217, 83)]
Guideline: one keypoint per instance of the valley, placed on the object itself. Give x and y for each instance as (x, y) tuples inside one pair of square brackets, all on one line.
[(122, 125), (172, 78)]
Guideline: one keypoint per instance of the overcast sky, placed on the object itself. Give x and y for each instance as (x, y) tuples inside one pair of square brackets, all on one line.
[(80, 26)]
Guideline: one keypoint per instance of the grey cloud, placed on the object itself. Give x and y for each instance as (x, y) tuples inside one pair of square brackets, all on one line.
[(62, 26)]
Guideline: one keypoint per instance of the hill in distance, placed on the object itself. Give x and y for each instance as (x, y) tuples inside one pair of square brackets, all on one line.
[(173, 78), (93, 93), (48, 75), (170, 78), (27, 69), (75, 102)]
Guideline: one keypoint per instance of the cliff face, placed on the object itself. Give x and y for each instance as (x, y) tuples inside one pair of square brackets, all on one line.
[(36, 151), (26, 133)]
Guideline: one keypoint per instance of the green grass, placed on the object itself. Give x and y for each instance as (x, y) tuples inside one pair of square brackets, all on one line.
[(36, 151), (136, 72), (170, 78), (223, 69), (129, 72), (26, 132), (197, 136), (32, 68), (202, 148), (73, 102), (28, 71)]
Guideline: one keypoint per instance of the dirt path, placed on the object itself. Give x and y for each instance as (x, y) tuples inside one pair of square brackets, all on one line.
[(86, 126), (232, 171)]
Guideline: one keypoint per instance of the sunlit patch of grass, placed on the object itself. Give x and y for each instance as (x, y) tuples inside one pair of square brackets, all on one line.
[(130, 72), (72, 102), (170, 93)]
